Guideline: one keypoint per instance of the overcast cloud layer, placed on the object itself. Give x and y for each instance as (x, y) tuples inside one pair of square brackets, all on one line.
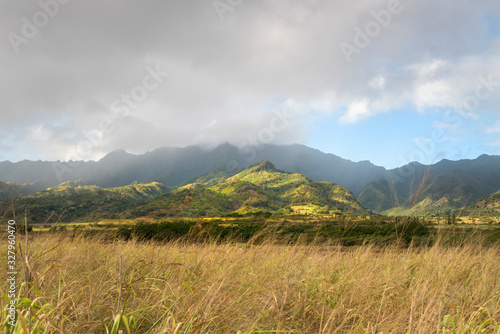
[(83, 77)]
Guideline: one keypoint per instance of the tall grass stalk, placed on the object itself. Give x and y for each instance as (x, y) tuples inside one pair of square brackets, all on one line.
[(218, 287)]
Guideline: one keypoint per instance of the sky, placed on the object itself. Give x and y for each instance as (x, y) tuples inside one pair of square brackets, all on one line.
[(381, 80)]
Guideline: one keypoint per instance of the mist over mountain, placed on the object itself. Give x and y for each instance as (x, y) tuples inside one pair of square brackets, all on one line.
[(436, 189), (410, 189), (176, 166), (259, 187)]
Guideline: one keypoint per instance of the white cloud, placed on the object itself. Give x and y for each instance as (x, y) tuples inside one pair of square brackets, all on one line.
[(427, 70), (377, 83), (229, 77), (433, 94), (357, 111)]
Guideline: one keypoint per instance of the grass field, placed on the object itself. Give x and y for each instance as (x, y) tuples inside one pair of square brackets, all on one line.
[(92, 285)]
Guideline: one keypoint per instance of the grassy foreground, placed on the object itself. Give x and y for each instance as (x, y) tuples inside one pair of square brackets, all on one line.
[(83, 285)]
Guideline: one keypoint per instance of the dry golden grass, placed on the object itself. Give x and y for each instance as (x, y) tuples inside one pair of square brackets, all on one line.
[(231, 288)]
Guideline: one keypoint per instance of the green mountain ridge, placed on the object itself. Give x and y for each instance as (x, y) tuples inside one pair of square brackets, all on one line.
[(175, 166), (487, 206), (72, 201), (460, 182), (10, 190), (260, 187), (428, 190)]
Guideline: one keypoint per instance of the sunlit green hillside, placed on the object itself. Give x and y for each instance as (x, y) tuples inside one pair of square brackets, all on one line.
[(259, 188), (487, 206), (71, 202)]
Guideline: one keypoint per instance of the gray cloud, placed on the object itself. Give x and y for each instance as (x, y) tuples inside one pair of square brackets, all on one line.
[(227, 78)]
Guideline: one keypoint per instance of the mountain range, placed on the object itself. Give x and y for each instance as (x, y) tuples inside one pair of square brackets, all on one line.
[(488, 206), (260, 188), (72, 201), (411, 189), (417, 189), (177, 166)]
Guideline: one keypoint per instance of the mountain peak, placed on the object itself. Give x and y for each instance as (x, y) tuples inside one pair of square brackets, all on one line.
[(262, 166), (72, 184), (117, 155)]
